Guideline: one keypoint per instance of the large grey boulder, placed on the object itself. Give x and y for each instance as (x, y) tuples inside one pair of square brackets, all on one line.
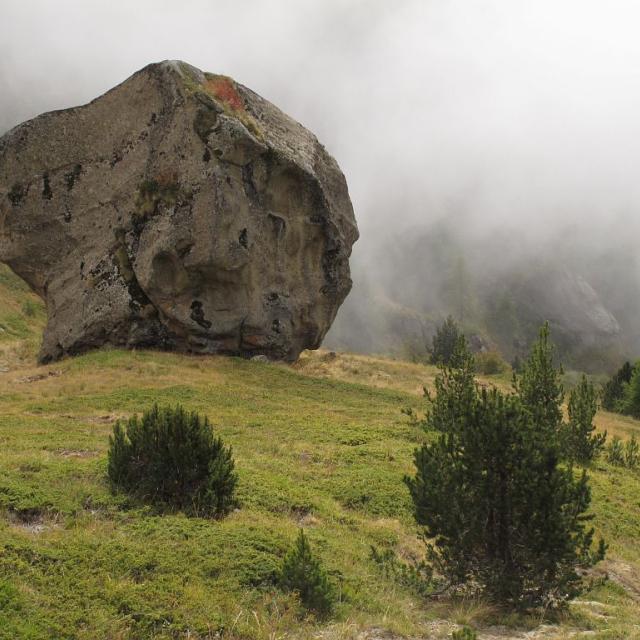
[(179, 210)]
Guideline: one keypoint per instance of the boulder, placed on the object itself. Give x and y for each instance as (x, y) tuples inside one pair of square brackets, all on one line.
[(180, 210)]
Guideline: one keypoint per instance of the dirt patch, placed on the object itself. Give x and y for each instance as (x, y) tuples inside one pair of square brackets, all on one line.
[(76, 453), (622, 574), (33, 521), (441, 629), (504, 633), (108, 418), (41, 376)]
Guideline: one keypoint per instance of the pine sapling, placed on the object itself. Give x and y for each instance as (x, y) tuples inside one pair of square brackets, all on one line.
[(303, 574)]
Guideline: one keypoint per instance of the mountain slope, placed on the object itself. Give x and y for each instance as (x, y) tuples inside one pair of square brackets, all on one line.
[(321, 445)]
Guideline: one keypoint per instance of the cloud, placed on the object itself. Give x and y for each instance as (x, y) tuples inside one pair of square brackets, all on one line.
[(499, 114)]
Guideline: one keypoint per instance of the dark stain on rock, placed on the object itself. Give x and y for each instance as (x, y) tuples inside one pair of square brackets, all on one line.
[(243, 240), (249, 184), (184, 249), (121, 260), (197, 315), (115, 158), (47, 194), (278, 223), (17, 194), (71, 177), (331, 268)]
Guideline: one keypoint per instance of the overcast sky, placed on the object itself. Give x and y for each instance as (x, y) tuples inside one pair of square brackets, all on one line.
[(515, 112)]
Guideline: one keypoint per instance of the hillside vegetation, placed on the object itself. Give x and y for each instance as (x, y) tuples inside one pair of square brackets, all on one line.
[(321, 445)]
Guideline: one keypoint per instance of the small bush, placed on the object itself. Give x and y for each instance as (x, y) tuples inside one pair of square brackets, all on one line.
[(466, 633), (624, 455), (171, 457), (631, 453), (303, 574), (489, 363), (418, 577), (615, 452)]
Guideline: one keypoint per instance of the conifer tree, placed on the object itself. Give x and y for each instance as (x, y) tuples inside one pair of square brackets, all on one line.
[(171, 456), (631, 399), (445, 342), (455, 381), (539, 385), (505, 515), (302, 573), (613, 391), (580, 442), (632, 453), (615, 452)]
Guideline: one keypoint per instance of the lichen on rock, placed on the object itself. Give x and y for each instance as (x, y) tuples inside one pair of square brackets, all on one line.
[(180, 210)]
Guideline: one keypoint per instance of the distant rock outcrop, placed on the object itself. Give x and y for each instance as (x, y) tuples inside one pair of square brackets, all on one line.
[(179, 210)]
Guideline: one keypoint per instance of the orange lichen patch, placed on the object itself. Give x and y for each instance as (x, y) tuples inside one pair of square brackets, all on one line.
[(224, 90)]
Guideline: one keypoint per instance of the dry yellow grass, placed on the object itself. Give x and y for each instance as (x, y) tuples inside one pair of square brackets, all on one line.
[(617, 425), (380, 372), (412, 378)]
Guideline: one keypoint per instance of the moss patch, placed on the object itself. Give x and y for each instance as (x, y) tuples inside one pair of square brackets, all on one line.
[(164, 189)]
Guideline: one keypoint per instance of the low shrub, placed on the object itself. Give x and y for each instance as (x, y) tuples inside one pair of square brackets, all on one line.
[(170, 456), (466, 633), (417, 576), (624, 454), (615, 452), (489, 363), (631, 453), (303, 574)]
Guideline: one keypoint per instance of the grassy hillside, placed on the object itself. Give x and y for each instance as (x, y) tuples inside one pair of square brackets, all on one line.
[(320, 445), (22, 318)]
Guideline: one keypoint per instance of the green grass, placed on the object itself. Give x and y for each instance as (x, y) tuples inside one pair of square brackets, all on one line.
[(22, 317), (326, 455), (321, 445)]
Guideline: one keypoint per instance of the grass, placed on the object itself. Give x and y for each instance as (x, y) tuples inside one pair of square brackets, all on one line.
[(22, 318), (321, 445)]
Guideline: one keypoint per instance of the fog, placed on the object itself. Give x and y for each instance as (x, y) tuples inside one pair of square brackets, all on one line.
[(513, 124)]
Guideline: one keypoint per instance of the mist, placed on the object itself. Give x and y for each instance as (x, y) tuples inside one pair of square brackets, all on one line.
[(509, 126)]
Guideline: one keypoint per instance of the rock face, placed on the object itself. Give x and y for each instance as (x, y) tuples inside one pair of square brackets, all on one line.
[(179, 210)]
